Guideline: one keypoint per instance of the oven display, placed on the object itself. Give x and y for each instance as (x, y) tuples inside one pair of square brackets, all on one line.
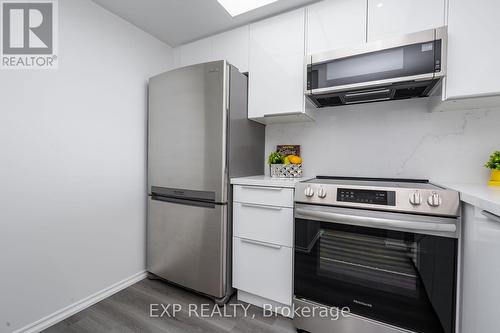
[(387, 198)]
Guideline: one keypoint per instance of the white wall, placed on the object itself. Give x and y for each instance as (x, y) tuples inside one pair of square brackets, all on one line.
[(394, 139), (72, 170)]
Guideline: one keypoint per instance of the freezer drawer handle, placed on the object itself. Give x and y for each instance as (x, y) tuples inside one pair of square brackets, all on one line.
[(254, 242), (491, 216), (260, 206), (262, 188), (204, 204), (374, 222)]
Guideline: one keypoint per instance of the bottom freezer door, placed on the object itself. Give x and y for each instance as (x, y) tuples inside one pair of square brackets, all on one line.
[(187, 244)]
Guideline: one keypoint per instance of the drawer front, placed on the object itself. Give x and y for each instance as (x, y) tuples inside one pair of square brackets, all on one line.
[(269, 224), (263, 269), (273, 196)]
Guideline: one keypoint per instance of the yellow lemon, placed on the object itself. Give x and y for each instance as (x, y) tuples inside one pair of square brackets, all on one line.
[(294, 159)]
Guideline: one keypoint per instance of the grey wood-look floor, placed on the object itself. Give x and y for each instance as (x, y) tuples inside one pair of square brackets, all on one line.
[(129, 311)]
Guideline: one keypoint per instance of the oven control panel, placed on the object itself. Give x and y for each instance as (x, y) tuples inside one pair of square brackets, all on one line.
[(372, 197)]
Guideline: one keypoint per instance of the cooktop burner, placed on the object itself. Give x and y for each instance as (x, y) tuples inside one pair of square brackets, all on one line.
[(392, 194)]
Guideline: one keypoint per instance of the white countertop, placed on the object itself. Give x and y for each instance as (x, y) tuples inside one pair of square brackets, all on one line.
[(268, 181), (480, 195)]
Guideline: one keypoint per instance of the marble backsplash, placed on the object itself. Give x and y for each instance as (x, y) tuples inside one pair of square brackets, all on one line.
[(394, 139)]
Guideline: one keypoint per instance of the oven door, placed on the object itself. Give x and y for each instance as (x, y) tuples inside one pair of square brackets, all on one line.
[(394, 268)]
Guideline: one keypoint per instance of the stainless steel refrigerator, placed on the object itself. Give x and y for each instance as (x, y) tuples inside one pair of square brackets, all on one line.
[(199, 137)]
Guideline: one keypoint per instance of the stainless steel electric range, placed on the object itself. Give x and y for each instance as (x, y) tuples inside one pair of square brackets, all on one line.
[(385, 248)]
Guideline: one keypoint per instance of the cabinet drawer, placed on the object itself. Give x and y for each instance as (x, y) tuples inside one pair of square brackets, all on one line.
[(264, 223), (272, 196), (263, 269)]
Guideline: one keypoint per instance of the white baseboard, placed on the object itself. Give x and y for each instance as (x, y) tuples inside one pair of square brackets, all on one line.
[(70, 310)]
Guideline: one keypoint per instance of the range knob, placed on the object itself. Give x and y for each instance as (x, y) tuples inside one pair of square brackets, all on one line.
[(415, 198), (321, 193), (434, 200), (309, 192)]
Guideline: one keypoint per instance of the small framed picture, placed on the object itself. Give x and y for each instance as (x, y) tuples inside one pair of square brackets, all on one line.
[(286, 150)]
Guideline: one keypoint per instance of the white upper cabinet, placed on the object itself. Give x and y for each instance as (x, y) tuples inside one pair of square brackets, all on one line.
[(233, 47), (196, 52), (388, 18), (276, 67), (334, 24), (473, 49)]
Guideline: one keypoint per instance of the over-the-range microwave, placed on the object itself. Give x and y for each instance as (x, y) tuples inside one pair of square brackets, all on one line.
[(405, 67)]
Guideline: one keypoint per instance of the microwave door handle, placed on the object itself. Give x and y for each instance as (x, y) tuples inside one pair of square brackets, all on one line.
[(376, 222)]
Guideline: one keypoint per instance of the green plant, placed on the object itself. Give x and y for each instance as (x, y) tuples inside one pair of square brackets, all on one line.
[(276, 158), (494, 162)]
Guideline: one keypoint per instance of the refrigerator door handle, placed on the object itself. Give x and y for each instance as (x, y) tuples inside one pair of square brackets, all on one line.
[(186, 202)]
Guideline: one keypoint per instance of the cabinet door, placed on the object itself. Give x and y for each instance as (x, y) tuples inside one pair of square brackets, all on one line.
[(196, 52), (473, 50), (233, 47), (334, 24), (388, 18), (276, 65), (481, 269)]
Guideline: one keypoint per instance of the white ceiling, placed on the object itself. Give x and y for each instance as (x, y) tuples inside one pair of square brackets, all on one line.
[(180, 21)]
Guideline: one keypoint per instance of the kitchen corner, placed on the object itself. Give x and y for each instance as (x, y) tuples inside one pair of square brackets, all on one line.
[(482, 196)]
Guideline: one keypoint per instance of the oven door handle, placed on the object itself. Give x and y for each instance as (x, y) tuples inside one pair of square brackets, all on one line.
[(375, 222)]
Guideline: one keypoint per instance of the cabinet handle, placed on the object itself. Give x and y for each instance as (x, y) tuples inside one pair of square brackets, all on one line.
[(491, 216), (254, 242), (260, 206), (262, 188)]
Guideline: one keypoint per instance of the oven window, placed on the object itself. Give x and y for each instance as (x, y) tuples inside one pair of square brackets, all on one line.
[(403, 279)]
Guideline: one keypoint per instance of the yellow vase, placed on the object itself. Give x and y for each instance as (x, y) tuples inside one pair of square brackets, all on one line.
[(495, 178)]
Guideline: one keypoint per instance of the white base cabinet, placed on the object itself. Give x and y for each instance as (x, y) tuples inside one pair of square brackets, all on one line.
[(481, 271), (263, 269), (263, 244)]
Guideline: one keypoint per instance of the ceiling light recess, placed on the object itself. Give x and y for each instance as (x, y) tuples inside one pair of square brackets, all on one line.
[(237, 7)]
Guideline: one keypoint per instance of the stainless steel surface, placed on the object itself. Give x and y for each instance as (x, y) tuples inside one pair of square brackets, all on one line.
[(187, 245), (369, 84), (408, 39), (351, 323), (187, 129), (491, 216), (199, 136), (447, 204), (438, 226), (413, 38), (316, 200)]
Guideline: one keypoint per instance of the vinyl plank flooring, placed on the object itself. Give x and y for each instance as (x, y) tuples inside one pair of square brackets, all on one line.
[(128, 311)]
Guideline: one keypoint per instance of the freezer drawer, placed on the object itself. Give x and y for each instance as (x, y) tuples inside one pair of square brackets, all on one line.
[(263, 269), (187, 244)]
